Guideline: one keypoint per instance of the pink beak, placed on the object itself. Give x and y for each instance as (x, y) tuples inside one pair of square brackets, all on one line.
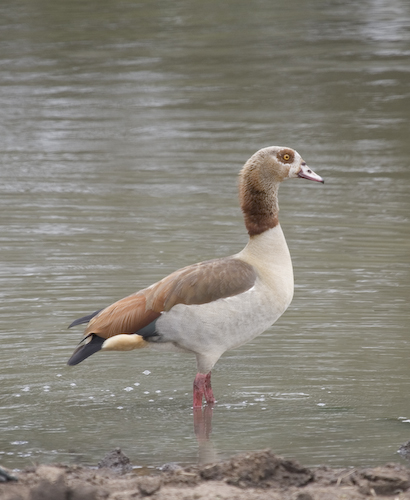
[(306, 173)]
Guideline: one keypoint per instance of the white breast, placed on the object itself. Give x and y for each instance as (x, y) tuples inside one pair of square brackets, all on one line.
[(208, 330)]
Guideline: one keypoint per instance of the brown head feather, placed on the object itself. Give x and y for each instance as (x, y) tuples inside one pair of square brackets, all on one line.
[(259, 184)]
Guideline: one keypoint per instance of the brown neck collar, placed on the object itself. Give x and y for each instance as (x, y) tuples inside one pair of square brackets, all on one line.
[(259, 205)]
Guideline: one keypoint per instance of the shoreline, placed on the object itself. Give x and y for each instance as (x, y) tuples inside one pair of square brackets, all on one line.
[(258, 475)]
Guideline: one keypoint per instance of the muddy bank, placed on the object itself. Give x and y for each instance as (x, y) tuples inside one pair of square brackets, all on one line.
[(252, 476)]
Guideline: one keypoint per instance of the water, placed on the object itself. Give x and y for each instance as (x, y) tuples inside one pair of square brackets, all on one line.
[(122, 131)]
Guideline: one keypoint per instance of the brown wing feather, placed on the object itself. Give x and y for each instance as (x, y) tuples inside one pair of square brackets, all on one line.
[(201, 283), (196, 284), (127, 315)]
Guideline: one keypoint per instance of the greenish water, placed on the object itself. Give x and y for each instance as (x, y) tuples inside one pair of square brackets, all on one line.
[(123, 127)]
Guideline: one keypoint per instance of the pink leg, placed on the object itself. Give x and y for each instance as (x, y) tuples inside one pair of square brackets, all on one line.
[(209, 395), (202, 388)]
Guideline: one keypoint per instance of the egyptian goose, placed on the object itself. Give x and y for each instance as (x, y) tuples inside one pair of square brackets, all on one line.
[(207, 308)]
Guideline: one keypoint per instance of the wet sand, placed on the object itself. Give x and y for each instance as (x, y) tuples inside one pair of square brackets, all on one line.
[(252, 476)]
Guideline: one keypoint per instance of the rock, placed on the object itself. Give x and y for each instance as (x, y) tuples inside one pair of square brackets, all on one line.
[(304, 496), (84, 491), (390, 479), (6, 476), (117, 461), (51, 485), (149, 485), (171, 466), (258, 469), (404, 450)]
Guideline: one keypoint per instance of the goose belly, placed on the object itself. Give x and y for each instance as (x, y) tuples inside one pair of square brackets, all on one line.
[(222, 324)]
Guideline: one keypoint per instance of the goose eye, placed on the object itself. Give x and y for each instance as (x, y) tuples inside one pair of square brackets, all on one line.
[(286, 157)]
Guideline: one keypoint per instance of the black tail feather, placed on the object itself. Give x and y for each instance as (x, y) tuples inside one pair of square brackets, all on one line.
[(85, 350), (84, 319)]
